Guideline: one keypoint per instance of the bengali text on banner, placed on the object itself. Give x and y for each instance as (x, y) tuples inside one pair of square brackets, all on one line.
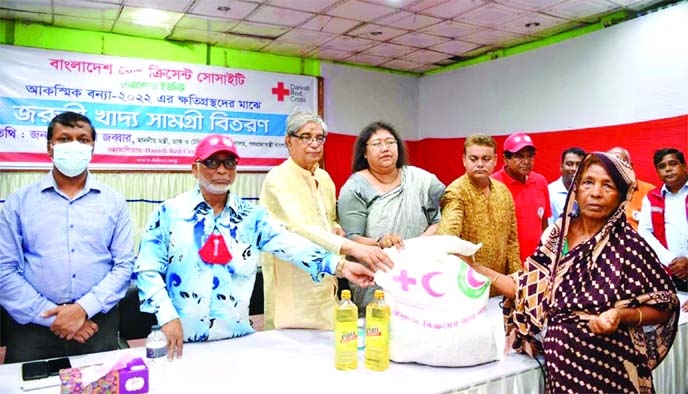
[(148, 114)]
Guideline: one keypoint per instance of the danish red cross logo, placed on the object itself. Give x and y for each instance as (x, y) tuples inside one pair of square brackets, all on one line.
[(280, 91)]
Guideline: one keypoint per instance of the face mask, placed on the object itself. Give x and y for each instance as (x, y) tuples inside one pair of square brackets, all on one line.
[(215, 250), (71, 158)]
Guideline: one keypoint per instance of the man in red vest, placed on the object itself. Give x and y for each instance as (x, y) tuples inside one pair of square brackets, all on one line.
[(664, 215)]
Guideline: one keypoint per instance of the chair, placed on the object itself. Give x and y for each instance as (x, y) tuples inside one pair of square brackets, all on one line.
[(4, 322), (134, 324), (257, 303)]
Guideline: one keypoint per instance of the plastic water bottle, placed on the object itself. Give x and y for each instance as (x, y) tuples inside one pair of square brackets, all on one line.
[(377, 333), (156, 358), (345, 333), (361, 333)]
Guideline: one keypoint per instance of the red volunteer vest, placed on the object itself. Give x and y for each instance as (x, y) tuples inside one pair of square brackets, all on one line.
[(657, 213)]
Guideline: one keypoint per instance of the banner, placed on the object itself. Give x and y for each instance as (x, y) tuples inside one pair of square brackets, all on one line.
[(148, 114)]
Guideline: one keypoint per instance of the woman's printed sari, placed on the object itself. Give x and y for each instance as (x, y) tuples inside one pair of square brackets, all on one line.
[(615, 268)]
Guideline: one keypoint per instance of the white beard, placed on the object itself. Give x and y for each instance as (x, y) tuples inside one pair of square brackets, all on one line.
[(212, 188)]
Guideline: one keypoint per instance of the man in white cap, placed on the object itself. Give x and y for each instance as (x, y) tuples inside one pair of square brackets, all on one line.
[(198, 258), (529, 190)]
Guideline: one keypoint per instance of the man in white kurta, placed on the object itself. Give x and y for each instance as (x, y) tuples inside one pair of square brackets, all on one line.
[(301, 196), (305, 203)]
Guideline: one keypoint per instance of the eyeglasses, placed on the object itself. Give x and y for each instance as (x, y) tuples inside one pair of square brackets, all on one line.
[(308, 139), (229, 163), (387, 143)]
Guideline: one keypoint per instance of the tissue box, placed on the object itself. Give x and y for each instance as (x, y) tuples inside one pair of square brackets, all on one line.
[(131, 379)]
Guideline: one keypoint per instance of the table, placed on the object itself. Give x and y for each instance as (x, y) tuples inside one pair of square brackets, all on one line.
[(671, 376), (302, 361)]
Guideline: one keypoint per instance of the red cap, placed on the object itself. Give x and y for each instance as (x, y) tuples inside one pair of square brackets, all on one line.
[(215, 143), (517, 141)]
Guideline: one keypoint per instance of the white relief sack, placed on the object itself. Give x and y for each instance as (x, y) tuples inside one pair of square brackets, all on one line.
[(438, 304)]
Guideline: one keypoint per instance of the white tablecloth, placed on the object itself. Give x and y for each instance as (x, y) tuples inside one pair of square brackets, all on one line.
[(671, 376), (302, 361)]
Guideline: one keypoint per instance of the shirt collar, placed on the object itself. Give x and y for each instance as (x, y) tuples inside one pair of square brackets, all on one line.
[(198, 202), (510, 179), (561, 188), (304, 172), (476, 187), (48, 182), (665, 190)]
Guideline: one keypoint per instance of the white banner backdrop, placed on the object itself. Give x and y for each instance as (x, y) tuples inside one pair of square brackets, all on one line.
[(148, 114)]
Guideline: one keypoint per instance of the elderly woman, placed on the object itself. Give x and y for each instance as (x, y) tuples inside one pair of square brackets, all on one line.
[(610, 309), (386, 201), (301, 196)]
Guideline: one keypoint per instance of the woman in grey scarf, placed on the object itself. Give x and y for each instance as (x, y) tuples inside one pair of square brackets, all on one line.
[(385, 201)]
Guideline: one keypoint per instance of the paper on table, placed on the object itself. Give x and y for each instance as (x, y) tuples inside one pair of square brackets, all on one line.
[(35, 384)]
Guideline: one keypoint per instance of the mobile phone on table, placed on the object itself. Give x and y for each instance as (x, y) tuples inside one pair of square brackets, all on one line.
[(35, 370), (44, 368), (56, 364)]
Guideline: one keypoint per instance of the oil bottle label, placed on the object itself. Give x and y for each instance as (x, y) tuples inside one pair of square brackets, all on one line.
[(348, 337)]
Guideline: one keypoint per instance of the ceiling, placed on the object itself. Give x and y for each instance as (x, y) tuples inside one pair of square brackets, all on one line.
[(407, 35)]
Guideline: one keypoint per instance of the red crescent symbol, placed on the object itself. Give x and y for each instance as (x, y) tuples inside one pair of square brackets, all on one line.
[(426, 284), (472, 280)]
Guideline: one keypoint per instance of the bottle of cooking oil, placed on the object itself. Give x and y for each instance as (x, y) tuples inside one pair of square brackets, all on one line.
[(377, 333), (346, 333)]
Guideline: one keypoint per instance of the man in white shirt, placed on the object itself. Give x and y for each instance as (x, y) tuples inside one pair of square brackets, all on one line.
[(664, 215), (570, 159)]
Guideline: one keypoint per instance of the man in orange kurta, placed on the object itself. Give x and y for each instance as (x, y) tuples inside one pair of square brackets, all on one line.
[(478, 208)]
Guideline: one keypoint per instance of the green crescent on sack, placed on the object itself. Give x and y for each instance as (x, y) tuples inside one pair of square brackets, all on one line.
[(470, 285)]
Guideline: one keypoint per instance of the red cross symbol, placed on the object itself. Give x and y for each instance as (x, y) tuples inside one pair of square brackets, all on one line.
[(280, 91), (405, 280)]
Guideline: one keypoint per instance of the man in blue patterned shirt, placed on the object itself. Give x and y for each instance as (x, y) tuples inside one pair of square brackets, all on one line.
[(198, 258)]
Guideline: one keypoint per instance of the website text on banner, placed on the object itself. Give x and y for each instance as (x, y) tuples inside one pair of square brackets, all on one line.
[(148, 114)]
